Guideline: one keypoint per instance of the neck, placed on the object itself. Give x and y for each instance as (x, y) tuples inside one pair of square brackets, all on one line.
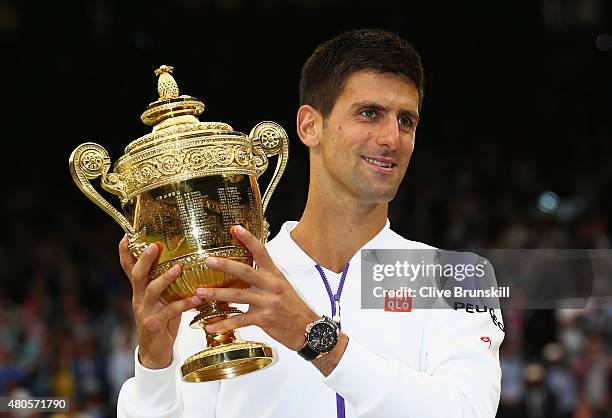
[(331, 231)]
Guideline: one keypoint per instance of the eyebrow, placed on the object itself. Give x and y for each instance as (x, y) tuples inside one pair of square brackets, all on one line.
[(378, 106)]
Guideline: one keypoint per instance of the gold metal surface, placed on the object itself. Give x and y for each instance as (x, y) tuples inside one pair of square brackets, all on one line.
[(184, 185), (227, 361)]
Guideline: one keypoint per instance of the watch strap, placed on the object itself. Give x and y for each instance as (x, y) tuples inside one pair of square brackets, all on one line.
[(308, 353)]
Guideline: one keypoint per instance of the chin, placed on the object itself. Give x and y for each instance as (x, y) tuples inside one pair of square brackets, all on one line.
[(378, 195)]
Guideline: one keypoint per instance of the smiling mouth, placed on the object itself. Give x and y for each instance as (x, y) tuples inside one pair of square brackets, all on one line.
[(379, 163)]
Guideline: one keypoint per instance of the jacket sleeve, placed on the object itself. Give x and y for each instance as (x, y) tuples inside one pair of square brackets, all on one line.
[(460, 375), (162, 393)]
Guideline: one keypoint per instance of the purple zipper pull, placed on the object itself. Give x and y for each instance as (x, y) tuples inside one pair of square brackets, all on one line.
[(336, 316)]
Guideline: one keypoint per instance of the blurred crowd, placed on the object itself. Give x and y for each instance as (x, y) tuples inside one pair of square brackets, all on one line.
[(66, 328)]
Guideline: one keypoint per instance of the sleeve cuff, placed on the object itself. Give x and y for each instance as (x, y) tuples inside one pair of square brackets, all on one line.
[(359, 364), (154, 391)]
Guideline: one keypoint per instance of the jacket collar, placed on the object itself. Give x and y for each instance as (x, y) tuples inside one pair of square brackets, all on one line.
[(290, 256)]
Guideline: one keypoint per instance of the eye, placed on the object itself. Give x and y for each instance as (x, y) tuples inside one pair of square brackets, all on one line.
[(405, 121), (369, 113)]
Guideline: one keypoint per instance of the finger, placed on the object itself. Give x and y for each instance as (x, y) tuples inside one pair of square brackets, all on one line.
[(140, 272), (126, 259), (233, 234), (237, 269), (260, 254), (233, 322), (154, 290), (231, 295), (174, 309)]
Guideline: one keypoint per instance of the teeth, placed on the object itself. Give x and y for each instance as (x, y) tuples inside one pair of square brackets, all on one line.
[(378, 163)]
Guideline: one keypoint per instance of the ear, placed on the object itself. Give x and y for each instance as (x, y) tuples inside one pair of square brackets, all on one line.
[(309, 125)]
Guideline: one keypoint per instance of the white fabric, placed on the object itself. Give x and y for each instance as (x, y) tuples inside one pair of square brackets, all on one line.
[(424, 363)]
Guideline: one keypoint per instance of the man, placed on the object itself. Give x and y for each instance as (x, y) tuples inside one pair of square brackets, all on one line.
[(361, 93)]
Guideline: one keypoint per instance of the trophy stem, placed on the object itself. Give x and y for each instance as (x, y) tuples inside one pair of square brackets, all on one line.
[(211, 312)]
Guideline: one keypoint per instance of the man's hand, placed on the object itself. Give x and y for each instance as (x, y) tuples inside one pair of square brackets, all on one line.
[(274, 306), (157, 322)]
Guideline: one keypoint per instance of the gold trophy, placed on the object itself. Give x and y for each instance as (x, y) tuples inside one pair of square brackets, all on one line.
[(184, 185)]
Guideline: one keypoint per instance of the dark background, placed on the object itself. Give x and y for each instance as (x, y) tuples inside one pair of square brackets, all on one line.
[(517, 103)]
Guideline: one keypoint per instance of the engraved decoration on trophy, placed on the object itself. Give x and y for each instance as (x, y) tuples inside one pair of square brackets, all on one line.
[(184, 185)]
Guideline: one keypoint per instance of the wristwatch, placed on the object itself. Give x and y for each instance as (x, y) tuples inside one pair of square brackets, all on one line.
[(321, 338)]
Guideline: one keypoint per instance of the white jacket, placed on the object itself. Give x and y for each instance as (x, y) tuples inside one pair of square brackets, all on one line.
[(423, 364)]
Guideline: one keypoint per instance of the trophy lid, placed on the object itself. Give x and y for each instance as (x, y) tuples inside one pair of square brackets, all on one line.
[(181, 147), (175, 111), (170, 104)]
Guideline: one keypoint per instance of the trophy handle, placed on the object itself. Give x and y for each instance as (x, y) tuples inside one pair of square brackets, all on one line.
[(88, 161), (269, 138)]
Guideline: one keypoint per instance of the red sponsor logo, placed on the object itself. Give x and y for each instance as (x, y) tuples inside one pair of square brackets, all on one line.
[(398, 304), (486, 340)]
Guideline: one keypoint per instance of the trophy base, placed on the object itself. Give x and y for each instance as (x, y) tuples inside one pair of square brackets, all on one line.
[(226, 361)]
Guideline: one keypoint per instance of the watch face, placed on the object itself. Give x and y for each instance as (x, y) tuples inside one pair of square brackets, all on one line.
[(322, 337)]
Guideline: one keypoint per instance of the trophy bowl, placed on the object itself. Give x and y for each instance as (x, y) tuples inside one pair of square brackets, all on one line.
[(183, 186)]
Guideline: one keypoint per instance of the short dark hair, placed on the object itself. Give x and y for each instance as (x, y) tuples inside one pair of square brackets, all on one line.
[(325, 72)]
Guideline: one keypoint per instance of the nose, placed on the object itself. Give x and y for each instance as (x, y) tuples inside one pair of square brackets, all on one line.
[(389, 134)]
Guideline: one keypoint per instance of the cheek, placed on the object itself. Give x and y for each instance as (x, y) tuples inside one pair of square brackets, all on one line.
[(358, 138), (407, 151), (410, 148), (409, 144), (348, 139)]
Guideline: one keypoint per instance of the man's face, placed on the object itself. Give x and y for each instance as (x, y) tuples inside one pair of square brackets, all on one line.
[(368, 137)]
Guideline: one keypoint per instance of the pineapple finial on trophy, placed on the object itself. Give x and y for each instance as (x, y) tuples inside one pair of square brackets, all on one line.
[(166, 86), (170, 109)]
